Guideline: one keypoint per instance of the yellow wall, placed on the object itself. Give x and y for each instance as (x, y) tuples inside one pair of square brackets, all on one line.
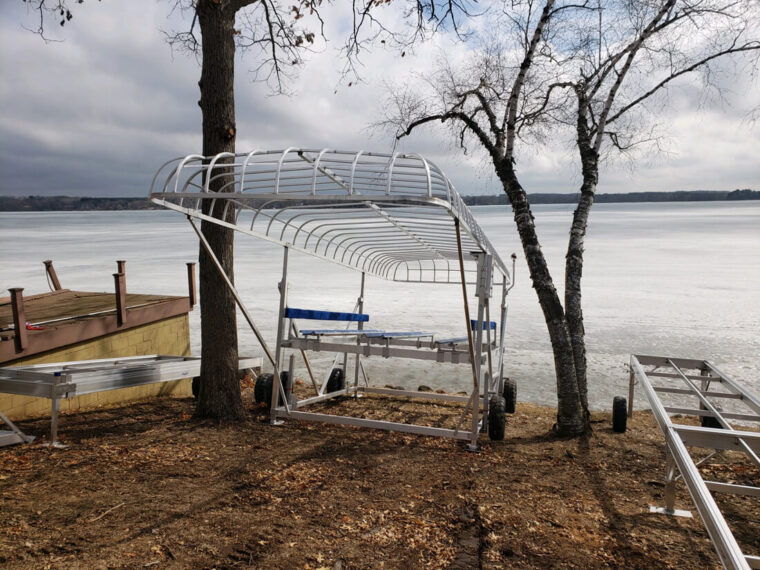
[(169, 336)]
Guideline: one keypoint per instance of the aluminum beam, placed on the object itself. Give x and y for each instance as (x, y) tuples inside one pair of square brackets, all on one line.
[(677, 437)]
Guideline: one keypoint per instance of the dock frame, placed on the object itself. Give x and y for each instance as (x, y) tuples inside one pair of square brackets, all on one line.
[(61, 380), (687, 380)]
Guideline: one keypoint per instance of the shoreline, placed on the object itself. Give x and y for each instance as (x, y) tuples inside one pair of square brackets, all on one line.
[(65, 203)]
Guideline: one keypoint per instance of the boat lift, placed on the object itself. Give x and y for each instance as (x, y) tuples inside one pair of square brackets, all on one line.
[(699, 382), (394, 216)]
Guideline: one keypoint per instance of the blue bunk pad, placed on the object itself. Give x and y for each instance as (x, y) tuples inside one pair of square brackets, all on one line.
[(311, 314), (384, 334), (486, 325), (336, 332), (455, 340)]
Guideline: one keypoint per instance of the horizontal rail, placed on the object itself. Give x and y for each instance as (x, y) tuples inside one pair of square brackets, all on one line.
[(707, 413), (411, 394), (444, 356), (733, 488), (377, 424)]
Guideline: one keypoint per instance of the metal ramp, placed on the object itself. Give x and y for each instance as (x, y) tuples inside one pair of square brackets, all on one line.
[(690, 385), (61, 380)]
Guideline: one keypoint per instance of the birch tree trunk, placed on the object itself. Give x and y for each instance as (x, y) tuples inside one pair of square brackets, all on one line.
[(574, 268), (219, 395), (572, 415)]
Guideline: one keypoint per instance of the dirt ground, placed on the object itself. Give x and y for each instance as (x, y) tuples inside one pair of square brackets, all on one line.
[(148, 486)]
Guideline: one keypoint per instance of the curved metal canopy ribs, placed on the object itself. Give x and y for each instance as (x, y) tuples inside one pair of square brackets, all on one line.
[(388, 215)]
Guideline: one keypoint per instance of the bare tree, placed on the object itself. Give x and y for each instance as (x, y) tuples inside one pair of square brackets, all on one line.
[(274, 32), (596, 67)]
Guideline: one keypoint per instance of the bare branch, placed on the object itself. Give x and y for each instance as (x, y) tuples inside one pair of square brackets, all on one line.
[(748, 47)]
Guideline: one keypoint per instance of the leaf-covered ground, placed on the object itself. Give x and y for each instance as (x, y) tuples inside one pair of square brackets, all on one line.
[(146, 485)]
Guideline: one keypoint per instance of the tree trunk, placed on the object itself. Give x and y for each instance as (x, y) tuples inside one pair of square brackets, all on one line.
[(571, 419), (574, 270), (219, 395)]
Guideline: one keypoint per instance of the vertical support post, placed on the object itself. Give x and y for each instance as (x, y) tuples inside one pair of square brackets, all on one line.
[(50, 270), (631, 383), (482, 292), (121, 298), (502, 332), (55, 406), (121, 267), (670, 481), (283, 288), (291, 380), (276, 381), (360, 326), (19, 320), (488, 342), (192, 291)]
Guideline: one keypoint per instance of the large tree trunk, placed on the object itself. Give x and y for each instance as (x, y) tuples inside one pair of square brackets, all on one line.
[(219, 395), (571, 419)]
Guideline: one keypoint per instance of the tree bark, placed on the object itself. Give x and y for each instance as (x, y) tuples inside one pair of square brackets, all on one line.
[(574, 270), (219, 395), (571, 419)]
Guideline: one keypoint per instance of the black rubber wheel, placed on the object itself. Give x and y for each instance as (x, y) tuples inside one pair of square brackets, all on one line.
[(285, 381), (262, 390), (497, 418), (336, 381), (709, 421), (196, 386), (510, 395), (619, 414)]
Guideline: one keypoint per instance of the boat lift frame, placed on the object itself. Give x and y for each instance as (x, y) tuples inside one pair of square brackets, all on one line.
[(394, 216), (695, 383)]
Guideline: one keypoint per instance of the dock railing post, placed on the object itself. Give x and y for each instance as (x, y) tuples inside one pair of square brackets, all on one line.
[(121, 298), (50, 270), (192, 291), (19, 321), (121, 267)]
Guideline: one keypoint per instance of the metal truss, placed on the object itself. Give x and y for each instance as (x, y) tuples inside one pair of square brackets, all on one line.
[(700, 389)]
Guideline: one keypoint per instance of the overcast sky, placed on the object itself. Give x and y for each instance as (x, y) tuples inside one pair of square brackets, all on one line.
[(99, 112)]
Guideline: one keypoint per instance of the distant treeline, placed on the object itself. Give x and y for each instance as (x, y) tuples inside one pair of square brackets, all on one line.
[(70, 203), (677, 196)]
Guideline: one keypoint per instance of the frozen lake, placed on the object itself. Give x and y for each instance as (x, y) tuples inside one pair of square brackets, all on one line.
[(681, 279)]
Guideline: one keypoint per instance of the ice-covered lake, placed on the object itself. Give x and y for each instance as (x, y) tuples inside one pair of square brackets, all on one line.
[(680, 279)]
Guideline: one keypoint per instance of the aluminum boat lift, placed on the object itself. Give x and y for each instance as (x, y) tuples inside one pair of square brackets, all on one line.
[(701, 390), (394, 216), (60, 380)]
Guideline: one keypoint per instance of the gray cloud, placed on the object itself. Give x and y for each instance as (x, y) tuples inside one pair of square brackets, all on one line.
[(98, 113)]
